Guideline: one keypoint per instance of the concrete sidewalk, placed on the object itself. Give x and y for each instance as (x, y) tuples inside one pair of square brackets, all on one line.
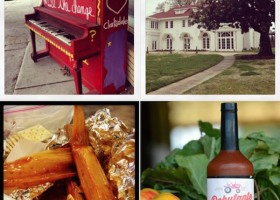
[(43, 77), (186, 84), (16, 39)]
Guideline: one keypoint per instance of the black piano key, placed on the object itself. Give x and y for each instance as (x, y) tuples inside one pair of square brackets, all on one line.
[(70, 37), (58, 33)]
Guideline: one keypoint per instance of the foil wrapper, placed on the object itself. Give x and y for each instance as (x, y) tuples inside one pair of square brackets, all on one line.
[(30, 193), (114, 145), (59, 139)]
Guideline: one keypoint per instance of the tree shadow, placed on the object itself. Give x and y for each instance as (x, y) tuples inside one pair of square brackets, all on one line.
[(254, 57)]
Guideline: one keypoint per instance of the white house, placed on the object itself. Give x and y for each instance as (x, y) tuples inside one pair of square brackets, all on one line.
[(172, 29)]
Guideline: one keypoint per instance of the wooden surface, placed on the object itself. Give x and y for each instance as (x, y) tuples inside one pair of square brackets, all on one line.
[(130, 63)]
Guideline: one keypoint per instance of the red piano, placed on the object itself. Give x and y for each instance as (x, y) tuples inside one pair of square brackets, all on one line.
[(88, 38)]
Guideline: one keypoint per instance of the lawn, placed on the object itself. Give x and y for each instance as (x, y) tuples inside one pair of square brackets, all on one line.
[(162, 70), (246, 76)]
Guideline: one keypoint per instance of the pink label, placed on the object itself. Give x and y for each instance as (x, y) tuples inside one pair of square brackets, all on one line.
[(230, 189)]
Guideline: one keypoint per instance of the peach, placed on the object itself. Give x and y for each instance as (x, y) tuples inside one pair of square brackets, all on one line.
[(166, 196), (148, 194)]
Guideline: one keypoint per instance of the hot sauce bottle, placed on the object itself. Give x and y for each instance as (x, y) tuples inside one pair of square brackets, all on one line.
[(230, 174)]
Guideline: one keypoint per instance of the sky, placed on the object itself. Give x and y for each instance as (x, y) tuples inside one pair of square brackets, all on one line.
[(151, 6)]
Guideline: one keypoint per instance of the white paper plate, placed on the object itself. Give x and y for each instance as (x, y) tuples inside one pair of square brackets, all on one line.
[(7, 197)]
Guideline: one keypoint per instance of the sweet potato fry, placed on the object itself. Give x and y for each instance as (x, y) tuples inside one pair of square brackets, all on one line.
[(94, 182), (92, 177), (39, 168), (79, 134), (74, 192)]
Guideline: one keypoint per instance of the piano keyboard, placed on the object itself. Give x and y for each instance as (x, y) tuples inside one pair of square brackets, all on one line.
[(56, 32)]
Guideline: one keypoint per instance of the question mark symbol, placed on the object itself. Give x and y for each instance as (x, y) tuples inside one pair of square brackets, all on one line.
[(92, 34)]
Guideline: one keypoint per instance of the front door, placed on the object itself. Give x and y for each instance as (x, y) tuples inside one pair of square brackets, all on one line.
[(226, 41)]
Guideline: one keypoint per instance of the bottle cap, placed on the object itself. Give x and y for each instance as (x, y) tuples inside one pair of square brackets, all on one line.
[(229, 107)]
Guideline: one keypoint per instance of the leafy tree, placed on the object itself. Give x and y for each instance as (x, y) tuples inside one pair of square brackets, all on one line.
[(244, 14), (160, 7), (175, 3)]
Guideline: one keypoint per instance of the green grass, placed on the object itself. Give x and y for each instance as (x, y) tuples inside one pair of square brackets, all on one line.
[(245, 67), (249, 73), (162, 70), (244, 77), (261, 63)]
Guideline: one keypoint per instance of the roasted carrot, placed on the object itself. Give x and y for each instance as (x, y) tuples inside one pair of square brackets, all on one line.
[(73, 190), (92, 177), (79, 134), (93, 180), (39, 168)]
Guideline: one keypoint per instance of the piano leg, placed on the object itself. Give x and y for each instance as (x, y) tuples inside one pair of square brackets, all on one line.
[(37, 55), (78, 77), (34, 52)]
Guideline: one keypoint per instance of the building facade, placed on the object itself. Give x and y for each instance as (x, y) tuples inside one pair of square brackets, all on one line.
[(173, 30)]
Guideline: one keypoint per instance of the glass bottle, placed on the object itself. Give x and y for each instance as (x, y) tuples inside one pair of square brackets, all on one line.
[(230, 174)]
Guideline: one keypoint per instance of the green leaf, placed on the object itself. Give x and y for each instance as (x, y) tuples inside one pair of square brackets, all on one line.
[(272, 143), (196, 166), (262, 160), (208, 129), (218, 146), (169, 160), (209, 145), (174, 180), (274, 175), (247, 146), (188, 193), (192, 148), (262, 146), (266, 187), (164, 177)]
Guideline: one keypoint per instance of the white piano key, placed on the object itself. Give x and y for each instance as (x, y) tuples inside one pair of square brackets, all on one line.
[(64, 39), (59, 34)]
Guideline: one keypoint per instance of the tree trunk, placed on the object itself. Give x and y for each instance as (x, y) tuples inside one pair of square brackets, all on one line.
[(265, 46)]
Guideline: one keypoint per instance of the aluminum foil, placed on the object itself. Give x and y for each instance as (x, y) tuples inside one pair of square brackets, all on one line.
[(114, 145), (59, 139), (30, 193)]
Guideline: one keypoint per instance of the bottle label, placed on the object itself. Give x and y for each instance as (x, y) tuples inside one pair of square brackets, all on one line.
[(230, 189)]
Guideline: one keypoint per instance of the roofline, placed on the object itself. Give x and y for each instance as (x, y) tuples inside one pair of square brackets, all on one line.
[(152, 18), (178, 8), (169, 18)]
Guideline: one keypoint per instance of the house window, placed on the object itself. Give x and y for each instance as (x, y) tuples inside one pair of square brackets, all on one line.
[(189, 23), (168, 42), (171, 24), (152, 24), (154, 45), (206, 41), (183, 23), (166, 24), (223, 43), (186, 42), (226, 40)]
